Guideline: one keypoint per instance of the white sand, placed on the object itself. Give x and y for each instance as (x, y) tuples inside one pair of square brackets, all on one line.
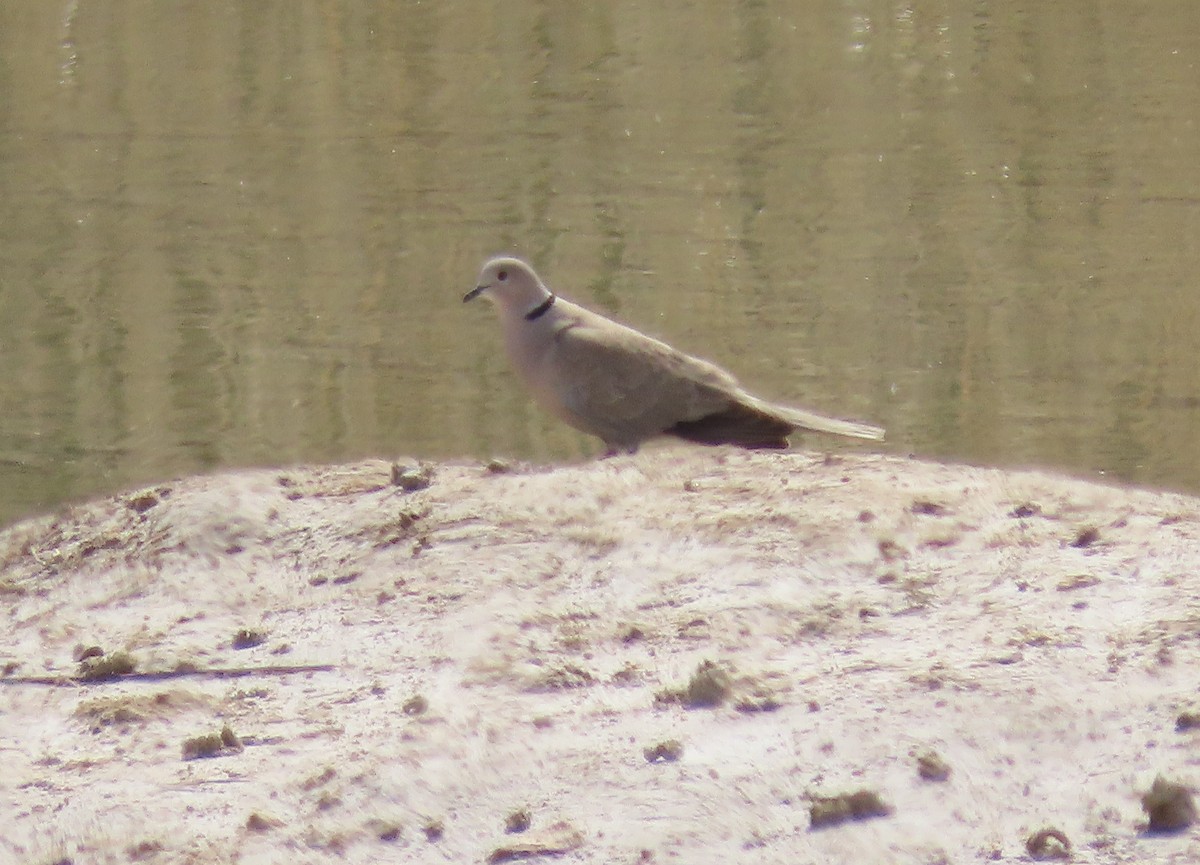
[(889, 606)]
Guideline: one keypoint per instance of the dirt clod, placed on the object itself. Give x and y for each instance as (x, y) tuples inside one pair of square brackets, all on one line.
[(100, 668), (82, 652), (1187, 721), (667, 751), (518, 821), (832, 810), (412, 478), (709, 687), (1077, 581), (320, 779), (1048, 843), (257, 822), (1169, 806), (554, 840), (415, 705), (925, 507), (388, 832), (220, 744), (248, 638), (139, 504), (931, 766)]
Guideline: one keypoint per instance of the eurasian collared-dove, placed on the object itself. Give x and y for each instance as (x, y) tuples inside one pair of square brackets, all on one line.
[(616, 383)]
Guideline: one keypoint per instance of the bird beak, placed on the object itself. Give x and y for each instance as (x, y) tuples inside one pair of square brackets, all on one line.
[(474, 293)]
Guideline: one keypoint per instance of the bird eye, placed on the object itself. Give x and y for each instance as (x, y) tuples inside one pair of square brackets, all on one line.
[(502, 275)]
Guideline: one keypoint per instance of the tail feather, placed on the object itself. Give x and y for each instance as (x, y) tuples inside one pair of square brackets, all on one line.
[(801, 419)]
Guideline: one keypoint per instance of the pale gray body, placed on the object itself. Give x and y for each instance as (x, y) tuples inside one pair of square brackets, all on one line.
[(613, 382)]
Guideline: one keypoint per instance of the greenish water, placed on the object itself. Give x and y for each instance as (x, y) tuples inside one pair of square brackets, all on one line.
[(238, 233)]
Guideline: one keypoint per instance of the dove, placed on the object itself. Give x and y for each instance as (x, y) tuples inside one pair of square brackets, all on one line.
[(618, 384)]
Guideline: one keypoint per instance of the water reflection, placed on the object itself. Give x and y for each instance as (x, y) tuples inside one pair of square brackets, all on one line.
[(236, 233)]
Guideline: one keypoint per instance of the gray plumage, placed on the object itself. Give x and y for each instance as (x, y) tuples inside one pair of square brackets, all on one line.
[(613, 382)]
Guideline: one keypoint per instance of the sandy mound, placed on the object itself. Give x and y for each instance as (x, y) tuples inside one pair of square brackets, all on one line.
[(689, 655)]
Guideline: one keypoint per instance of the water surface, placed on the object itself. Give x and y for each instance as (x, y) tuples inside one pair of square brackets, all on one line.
[(238, 233)]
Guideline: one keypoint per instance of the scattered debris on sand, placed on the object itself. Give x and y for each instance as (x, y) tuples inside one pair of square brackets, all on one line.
[(709, 687), (556, 839), (1169, 806), (1048, 843), (219, 744), (932, 767), (677, 643), (827, 811), (666, 751), (100, 667)]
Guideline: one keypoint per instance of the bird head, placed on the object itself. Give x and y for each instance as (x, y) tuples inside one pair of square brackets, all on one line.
[(512, 285)]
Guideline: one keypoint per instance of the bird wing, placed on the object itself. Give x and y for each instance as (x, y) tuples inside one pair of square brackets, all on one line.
[(625, 387)]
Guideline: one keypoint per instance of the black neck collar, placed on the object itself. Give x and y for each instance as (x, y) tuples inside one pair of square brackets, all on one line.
[(540, 310)]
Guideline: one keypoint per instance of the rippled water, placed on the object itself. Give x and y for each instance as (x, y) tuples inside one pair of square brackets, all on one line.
[(238, 233)]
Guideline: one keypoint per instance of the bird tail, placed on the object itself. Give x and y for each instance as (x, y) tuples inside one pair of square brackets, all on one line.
[(752, 423), (819, 423)]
